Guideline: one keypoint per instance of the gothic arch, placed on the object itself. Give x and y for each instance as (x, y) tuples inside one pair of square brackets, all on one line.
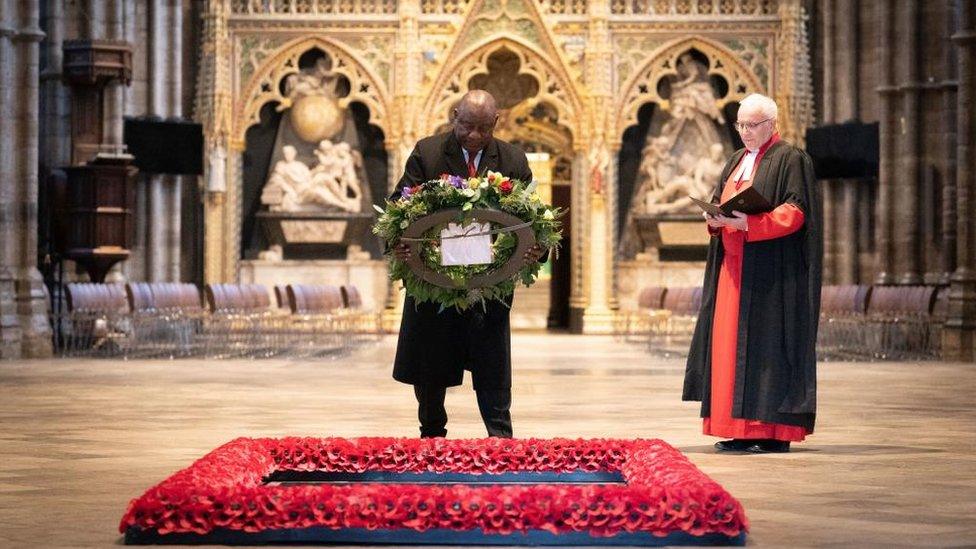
[(263, 86), (642, 87), (555, 86)]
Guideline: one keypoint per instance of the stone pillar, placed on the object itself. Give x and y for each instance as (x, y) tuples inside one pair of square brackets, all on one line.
[(959, 341), (907, 236), (578, 296), (157, 238), (164, 98), (213, 107), (599, 181), (950, 212), (32, 301), (405, 128), (829, 46), (829, 233), (10, 332), (847, 108), (888, 155), (174, 108)]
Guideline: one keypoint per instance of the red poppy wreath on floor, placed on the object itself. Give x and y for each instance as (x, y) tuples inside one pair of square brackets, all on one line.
[(661, 492)]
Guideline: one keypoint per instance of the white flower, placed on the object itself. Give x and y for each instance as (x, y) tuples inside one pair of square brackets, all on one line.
[(548, 215)]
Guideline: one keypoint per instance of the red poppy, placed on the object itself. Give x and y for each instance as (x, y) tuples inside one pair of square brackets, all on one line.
[(664, 492)]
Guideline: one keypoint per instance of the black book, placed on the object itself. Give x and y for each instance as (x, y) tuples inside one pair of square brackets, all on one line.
[(749, 202)]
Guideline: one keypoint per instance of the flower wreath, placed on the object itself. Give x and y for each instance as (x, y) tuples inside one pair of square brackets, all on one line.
[(492, 191)]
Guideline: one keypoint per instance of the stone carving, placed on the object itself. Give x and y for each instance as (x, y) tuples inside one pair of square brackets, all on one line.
[(311, 96), (684, 154), (680, 157), (332, 184), (671, 194), (216, 172)]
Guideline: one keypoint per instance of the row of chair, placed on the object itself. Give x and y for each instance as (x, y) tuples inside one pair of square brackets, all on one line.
[(881, 322), (664, 319), (856, 321), (142, 319)]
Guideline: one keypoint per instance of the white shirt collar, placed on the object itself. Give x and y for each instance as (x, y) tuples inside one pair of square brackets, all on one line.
[(746, 166), (477, 157)]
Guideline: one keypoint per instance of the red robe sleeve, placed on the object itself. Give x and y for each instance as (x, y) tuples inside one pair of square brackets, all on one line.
[(784, 220)]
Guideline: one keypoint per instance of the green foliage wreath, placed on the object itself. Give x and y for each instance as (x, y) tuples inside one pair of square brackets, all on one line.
[(493, 191)]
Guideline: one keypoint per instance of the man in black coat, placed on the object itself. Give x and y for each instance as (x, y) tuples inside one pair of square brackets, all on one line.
[(434, 348)]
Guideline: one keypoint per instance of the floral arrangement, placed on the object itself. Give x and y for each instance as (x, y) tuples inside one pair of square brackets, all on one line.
[(663, 492), (493, 191)]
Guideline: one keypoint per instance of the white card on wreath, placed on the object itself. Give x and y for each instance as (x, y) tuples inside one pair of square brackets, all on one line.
[(466, 244)]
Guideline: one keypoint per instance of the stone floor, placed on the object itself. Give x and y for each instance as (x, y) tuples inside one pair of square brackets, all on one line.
[(891, 464)]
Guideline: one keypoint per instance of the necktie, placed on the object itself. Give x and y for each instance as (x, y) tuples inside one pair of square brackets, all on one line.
[(472, 169)]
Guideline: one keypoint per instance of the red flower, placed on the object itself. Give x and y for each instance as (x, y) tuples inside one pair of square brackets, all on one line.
[(505, 187), (664, 492)]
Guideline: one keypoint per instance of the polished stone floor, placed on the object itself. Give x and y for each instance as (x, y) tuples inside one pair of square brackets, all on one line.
[(891, 464)]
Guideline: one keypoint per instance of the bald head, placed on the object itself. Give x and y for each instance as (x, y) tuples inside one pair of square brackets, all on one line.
[(474, 120)]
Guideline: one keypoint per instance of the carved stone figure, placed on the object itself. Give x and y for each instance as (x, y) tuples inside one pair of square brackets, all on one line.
[(287, 183), (673, 196), (330, 185), (677, 156)]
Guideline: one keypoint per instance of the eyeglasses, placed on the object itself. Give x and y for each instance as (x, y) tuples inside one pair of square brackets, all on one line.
[(743, 126)]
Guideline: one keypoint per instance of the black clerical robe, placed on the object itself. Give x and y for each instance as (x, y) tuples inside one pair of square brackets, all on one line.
[(779, 308)]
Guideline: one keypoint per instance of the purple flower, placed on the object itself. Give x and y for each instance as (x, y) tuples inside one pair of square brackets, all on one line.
[(456, 181), (407, 192)]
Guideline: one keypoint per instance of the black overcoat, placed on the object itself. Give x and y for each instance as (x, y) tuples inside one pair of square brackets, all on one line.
[(779, 307), (434, 347)]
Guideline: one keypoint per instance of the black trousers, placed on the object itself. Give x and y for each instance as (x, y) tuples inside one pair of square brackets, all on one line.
[(494, 405)]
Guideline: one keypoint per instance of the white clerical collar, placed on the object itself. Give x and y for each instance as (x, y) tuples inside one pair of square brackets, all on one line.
[(746, 166), (477, 157)]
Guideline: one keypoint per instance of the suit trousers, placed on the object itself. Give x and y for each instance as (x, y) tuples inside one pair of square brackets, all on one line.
[(494, 405)]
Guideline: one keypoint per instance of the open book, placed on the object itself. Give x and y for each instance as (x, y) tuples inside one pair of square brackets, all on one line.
[(749, 202)]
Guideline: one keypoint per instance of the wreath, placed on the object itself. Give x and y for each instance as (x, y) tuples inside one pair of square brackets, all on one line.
[(466, 197)]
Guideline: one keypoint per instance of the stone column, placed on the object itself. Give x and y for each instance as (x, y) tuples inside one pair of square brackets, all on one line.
[(212, 106), (174, 108), (959, 341), (907, 236), (887, 169), (829, 46), (32, 301), (114, 93), (404, 126), (157, 237), (950, 213), (10, 332), (829, 234), (847, 109), (599, 183)]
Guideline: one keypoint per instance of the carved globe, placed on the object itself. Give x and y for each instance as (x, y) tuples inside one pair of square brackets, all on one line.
[(316, 117)]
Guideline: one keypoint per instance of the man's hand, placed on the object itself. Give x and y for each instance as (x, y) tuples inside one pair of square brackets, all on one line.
[(402, 251), (533, 254), (738, 221), (713, 222)]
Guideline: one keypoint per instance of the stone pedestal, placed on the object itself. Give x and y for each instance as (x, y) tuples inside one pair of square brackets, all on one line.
[(369, 275)]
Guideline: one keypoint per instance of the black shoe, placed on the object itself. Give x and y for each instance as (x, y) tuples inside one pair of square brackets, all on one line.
[(769, 446), (734, 445)]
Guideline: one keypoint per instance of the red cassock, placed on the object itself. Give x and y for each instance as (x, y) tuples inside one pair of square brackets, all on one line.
[(782, 221)]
